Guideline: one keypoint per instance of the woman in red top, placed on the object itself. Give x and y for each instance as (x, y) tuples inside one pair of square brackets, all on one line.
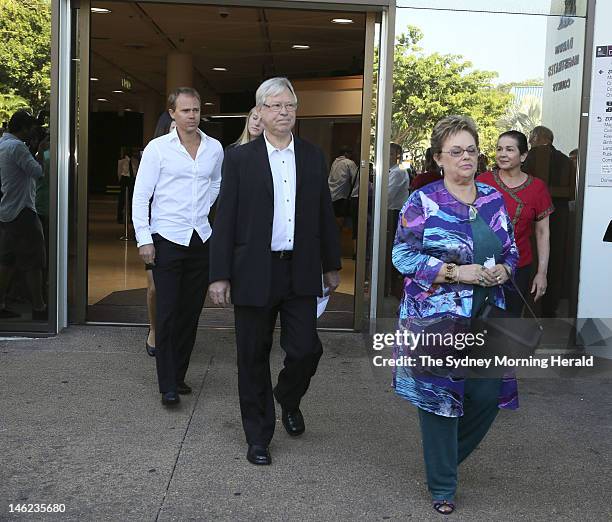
[(528, 203)]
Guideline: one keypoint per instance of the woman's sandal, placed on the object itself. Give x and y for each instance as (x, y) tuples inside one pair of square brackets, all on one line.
[(444, 507), (150, 349)]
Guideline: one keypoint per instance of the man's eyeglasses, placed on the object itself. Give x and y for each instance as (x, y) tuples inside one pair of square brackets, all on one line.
[(276, 107), (457, 152)]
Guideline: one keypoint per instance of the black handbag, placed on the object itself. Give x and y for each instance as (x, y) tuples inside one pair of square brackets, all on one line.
[(506, 334)]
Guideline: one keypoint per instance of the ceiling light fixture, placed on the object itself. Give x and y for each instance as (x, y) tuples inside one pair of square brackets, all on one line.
[(300, 47), (100, 10), (93, 79), (209, 104), (222, 69), (342, 21), (118, 92), (102, 99)]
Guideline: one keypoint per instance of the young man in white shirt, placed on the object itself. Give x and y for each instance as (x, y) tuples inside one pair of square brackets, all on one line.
[(182, 170)]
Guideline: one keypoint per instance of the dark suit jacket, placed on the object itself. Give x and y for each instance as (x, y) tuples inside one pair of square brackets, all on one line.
[(242, 233), (554, 168)]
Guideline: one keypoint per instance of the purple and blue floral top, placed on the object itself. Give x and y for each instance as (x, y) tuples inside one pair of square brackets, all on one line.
[(435, 228)]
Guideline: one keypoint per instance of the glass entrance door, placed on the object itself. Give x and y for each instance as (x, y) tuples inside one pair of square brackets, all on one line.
[(122, 94)]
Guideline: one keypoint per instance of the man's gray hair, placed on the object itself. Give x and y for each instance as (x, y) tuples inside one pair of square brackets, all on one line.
[(273, 87)]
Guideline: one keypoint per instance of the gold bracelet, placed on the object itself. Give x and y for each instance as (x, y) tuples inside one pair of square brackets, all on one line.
[(449, 276)]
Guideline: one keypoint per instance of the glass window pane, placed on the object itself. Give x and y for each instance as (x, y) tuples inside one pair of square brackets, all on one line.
[(25, 164), (536, 7)]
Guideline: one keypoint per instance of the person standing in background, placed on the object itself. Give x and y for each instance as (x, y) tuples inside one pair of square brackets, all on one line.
[(554, 168), (529, 206), (127, 167), (342, 179), (22, 244), (399, 190), (253, 128)]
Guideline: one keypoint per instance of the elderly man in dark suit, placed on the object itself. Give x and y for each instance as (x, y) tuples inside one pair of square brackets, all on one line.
[(274, 235), (553, 167)]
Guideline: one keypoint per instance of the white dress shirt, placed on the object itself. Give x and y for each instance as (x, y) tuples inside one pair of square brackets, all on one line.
[(399, 188), (184, 189), (282, 165)]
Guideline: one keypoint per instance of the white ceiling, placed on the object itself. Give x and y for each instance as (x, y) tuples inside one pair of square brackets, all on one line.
[(252, 43)]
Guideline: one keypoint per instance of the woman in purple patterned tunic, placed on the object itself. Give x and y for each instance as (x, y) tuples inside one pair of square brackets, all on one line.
[(447, 232)]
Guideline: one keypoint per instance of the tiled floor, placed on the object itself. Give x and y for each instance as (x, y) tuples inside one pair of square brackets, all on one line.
[(115, 266)]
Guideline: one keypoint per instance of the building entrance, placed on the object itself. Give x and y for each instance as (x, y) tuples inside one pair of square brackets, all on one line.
[(138, 52)]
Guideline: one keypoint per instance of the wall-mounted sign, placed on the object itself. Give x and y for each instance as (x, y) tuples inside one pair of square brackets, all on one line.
[(563, 75), (600, 129)]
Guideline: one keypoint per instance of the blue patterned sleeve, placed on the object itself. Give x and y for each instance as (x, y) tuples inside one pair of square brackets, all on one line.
[(408, 256), (510, 253)]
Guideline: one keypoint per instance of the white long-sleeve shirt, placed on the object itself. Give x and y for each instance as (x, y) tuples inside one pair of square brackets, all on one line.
[(282, 165), (184, 189)]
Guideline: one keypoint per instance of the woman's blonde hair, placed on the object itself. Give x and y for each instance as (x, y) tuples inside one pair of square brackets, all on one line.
[(449, 126), (245, 137)]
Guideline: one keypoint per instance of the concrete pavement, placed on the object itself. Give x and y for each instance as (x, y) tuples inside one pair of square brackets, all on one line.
[(81, 424)]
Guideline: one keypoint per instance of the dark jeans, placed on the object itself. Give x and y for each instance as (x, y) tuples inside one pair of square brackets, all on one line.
[(181, 280), (299, 340)]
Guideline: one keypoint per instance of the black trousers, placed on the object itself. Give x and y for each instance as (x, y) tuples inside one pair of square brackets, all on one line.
[(126, 188), (299, 340), (181, 280)]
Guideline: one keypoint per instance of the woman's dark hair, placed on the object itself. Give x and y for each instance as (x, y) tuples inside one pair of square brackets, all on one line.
[(519, 137), (163, 125), (429, 165)]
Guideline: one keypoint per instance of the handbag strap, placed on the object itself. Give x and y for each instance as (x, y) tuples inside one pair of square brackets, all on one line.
[(524, 300)]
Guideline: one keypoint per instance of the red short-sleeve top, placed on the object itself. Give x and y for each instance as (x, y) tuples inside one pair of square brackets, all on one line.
[(526, 204)]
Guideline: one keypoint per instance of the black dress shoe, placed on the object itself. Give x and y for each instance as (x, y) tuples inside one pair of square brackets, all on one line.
[(170, 398), (182, 388), (293, 422), (259, 455)]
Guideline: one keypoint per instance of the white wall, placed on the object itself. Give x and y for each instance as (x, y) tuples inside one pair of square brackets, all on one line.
[(595, 290)]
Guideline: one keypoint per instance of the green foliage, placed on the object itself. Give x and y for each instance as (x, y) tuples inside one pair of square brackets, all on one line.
[(429, 87), (25, 50), (9, 104), (522, 117)]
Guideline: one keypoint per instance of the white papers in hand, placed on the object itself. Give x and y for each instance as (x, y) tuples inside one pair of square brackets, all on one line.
[(322, 302)]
